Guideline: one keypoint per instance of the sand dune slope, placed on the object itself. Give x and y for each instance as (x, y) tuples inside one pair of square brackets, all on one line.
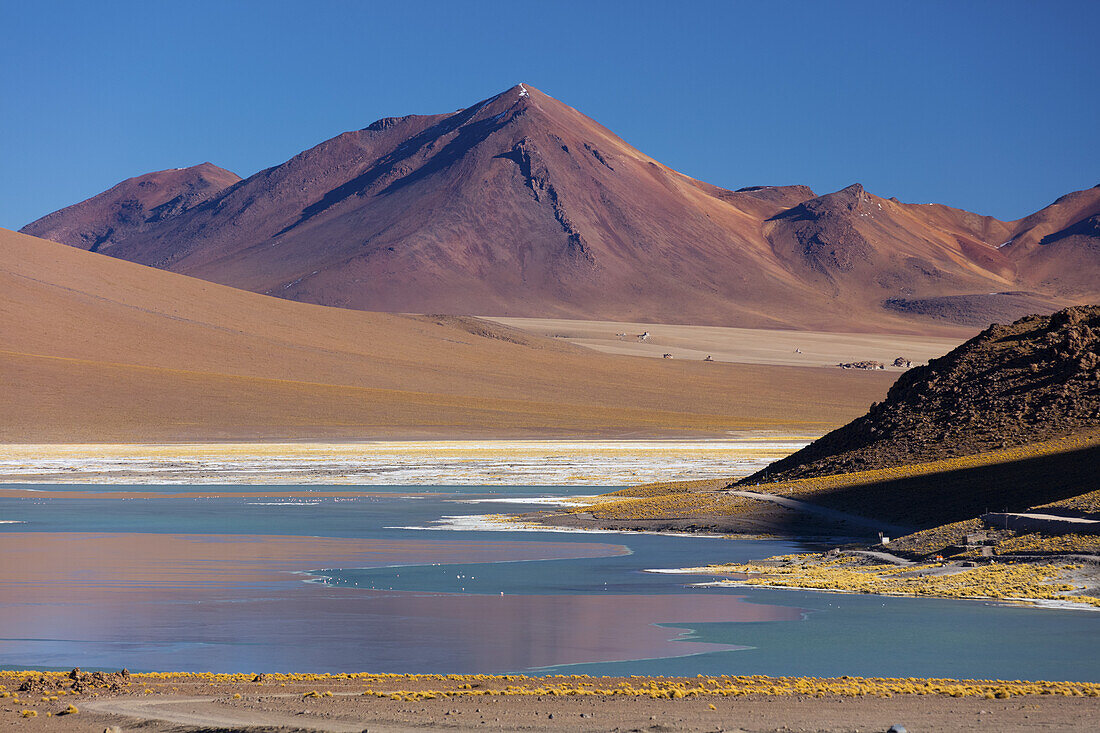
[(97, 349)]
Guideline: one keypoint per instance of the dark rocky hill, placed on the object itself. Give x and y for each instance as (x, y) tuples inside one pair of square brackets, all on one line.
[(1033, 380)]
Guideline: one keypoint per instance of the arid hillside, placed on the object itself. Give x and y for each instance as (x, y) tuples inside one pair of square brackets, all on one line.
[(96, 349), (1058, 247), (1034, 380), (522, 206), (132, 206)]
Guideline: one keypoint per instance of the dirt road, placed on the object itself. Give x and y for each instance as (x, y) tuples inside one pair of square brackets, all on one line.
[(832, 514)]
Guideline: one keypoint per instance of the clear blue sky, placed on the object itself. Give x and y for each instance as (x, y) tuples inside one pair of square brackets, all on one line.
[(990, 106)]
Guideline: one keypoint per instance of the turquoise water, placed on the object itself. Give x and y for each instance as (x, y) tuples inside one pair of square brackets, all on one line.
[(596, 615)]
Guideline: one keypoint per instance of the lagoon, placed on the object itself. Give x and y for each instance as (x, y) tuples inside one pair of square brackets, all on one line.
[(331, 579)]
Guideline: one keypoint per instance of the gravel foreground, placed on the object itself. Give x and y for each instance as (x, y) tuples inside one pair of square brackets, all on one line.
[(35, 701)]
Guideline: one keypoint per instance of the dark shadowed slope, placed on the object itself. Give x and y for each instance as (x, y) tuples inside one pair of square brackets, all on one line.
[(97, 349), (1034, 380), (923, 495), (521, 205)]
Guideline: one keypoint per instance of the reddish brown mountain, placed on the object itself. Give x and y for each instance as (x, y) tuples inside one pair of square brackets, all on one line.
[(132, 206), (1058, 247), (520, 205)]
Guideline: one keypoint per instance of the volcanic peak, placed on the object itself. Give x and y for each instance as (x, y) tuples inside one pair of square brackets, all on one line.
[(521, 205)]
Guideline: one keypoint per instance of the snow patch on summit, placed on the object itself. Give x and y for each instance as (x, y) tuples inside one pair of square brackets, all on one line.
[(523, 91)]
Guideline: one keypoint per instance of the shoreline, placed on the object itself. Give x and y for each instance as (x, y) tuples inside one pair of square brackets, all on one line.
[(1052, 584), (348, 703), (505, 523), (1028, 602), (565, 462), (1041, 585), (1089, 604)]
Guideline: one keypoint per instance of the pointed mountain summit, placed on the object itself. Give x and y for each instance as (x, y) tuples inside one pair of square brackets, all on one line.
[(521, 205)]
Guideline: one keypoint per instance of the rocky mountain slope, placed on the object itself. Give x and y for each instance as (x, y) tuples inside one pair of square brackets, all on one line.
[(1059, 246), (1034, 380), (523, 206), (132, 206)]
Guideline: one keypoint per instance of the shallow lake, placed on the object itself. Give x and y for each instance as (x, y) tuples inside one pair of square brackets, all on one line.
[(152, 578)]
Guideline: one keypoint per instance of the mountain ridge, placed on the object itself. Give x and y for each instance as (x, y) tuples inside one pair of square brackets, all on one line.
[(521, 205), (131, 204)]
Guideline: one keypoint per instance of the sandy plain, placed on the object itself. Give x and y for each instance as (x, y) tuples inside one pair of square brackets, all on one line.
[(97, 350), (405, 703), (737, 345)]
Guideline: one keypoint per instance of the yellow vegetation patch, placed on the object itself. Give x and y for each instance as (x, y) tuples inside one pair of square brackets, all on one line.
[(937, 538), (807, 487), (415, 687), (660, 488), (1089, 503), (1037, 542), (1009, 582), (668, 506)]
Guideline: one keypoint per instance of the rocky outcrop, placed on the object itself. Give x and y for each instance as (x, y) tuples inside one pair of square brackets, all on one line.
[(1033, 380)]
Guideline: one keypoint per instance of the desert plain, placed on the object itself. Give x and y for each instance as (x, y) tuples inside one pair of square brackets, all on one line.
[(408, 703)]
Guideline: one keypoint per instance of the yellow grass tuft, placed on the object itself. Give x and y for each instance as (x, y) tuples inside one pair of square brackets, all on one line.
[(808, 487), (667, 506), (419, 687), (1008, 582)]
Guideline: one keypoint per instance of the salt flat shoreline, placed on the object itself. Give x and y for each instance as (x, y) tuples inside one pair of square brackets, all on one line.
[(416, 463)]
